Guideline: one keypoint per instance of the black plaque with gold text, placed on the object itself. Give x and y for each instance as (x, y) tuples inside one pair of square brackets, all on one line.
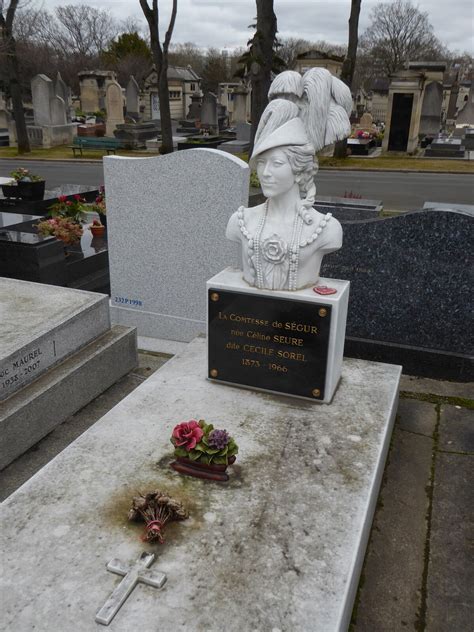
[(268, 343)]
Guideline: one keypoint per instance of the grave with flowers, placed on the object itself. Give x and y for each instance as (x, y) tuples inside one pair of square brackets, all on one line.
[(51, 241), (206, 535)]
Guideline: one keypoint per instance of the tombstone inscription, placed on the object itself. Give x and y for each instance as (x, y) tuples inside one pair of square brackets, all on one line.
[(273, 342)]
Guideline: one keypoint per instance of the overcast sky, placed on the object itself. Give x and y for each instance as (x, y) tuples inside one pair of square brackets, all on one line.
[(223, 23)]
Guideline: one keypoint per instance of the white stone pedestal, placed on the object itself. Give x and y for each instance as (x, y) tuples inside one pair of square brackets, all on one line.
[(272, 344)]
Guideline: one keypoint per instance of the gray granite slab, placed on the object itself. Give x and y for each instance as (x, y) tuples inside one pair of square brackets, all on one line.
[(166, 224), (34, 411), (41, 325), (411, 279), (278, 547)]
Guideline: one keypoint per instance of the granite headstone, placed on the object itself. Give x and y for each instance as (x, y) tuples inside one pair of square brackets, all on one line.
[(132, 94), (411, 291), (42, 92), (114, 107), (162, 255), (58, 111), (209, 117)]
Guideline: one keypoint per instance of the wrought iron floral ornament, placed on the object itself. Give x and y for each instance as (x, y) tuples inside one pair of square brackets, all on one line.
[(202, 450)]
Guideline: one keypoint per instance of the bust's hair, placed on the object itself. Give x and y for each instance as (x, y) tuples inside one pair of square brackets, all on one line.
[(303, 164)]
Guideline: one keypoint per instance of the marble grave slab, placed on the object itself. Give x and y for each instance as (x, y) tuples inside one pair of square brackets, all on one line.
[(280, 546)]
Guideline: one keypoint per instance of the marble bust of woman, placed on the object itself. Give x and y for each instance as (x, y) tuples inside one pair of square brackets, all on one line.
[(284, 240)]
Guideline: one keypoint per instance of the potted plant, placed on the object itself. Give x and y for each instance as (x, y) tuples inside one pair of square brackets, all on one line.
[(97, 229), (63, 228), (29, 186), (72, 210), (99, 206), (202, 451)]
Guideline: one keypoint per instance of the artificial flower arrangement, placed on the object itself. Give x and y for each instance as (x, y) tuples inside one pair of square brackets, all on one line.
[(24, 175), (62, 228), (202, 450), (70, 209), (99, 205), (25, 185)]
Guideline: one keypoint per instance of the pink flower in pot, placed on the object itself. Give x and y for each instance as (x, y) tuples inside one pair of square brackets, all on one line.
[(187, 434)]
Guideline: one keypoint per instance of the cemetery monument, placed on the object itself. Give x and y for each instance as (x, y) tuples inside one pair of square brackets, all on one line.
[(283, 242), (282, 546)]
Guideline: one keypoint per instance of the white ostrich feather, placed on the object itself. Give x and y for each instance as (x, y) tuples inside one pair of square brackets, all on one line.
[(287, 85), (277, 112), (324, 104)]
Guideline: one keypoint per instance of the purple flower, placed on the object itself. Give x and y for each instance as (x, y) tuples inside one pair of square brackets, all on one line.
[(218, 439)]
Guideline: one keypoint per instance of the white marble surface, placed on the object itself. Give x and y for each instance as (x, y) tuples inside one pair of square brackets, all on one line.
[(166, 219), (231, 279), (279, 547), (41, 325)]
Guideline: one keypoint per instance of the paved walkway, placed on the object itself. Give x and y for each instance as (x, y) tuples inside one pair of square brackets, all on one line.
[(418, 572)]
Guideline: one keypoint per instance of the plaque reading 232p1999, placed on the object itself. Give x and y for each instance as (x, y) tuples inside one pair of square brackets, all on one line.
[(268, 343)]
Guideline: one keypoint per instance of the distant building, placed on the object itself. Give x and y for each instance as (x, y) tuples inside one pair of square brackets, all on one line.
[(182, 84), (378, 100), (236, 97), (93, 86), (318, 59)]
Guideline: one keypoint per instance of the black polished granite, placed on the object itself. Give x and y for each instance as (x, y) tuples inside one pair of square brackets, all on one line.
[(26, 255), (411, 291)]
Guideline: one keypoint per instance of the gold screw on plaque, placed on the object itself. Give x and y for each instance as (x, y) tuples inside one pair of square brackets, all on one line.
[(213, 373), (323, 312), (316, 392), (214, 296)]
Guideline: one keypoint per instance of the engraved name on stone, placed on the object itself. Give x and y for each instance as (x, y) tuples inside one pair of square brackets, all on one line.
[(132, 575), (20, 368)]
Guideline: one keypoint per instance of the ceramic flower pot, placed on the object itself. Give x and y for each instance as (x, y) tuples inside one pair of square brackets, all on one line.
[(97, 231), (208, 471)]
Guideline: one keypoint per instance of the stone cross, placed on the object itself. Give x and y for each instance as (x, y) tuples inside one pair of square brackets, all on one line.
[(132, 576)]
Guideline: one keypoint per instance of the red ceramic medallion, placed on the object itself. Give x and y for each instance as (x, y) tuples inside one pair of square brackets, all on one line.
[(324, 289)]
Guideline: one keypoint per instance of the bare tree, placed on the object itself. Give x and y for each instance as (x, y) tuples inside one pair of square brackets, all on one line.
[(348, 65), (290, 48), (10, 63), (399, 32), (84, 30), (160, 58)]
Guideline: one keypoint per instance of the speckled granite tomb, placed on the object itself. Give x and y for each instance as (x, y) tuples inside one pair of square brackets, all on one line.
[(279, 547), (41, 325), (166, 221), (411, 291)]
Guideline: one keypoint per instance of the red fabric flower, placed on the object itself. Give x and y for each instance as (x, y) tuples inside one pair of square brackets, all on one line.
[(62, 198), (77, 197), (187, 434)]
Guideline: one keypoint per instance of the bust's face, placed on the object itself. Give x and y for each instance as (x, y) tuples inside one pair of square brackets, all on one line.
[(274, 172)]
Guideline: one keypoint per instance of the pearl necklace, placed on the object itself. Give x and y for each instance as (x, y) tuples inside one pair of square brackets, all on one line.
[(254, 243)]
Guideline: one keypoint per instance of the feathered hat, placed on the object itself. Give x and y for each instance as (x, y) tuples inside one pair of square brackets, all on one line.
[(310, 109)]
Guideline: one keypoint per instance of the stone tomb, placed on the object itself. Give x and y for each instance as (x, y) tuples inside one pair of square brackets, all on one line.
[(33, 339), (280, 546), (162, 254), (58, 352), (411, 291)]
